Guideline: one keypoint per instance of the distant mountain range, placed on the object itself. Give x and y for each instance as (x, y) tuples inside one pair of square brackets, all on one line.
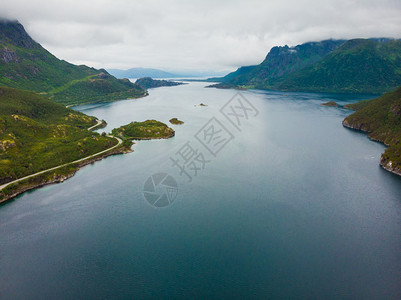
[(25, 64), (156, 73), (141, 72), (339, 66)]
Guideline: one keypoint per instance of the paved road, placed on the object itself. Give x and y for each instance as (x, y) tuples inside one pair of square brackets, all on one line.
[(74, 162), (98, 123)]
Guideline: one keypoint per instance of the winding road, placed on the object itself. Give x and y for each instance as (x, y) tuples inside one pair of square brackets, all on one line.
[(70, 163), (98, 123)]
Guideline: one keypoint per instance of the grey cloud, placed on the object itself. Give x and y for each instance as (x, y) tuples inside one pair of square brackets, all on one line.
[(189, 35)]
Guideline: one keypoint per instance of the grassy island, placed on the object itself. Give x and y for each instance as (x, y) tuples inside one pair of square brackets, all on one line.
[(381, 118), (150, 129), (175, 121), (331, 103)]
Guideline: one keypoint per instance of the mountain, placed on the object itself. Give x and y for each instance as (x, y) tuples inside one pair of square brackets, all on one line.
[(101, 87), (354, 66), (155, 73), (281, 61), (358, 66), (141, 72), (148, 83), (381, 118), (25, 64), (36, 134)]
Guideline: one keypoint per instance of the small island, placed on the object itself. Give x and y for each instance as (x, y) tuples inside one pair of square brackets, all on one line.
[(175, 121), (147, 130), (331, 104), (148, 82)]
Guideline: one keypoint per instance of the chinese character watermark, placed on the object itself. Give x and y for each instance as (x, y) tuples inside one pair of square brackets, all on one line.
[(161, 189), (238, 110), (189, 161), (214, 136)]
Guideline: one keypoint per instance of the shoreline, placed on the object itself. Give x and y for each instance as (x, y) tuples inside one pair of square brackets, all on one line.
[(105, 101), (384, 163), (60, 178), (59, 174), (151, 138)]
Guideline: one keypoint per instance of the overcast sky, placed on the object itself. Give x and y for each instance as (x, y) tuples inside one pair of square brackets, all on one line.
[(203, 35)]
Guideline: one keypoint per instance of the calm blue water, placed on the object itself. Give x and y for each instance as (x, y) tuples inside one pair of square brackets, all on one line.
[(294, 207)]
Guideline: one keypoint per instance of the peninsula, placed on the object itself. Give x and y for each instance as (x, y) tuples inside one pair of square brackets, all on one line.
[(147, 83), (43, 142), (381, 119)]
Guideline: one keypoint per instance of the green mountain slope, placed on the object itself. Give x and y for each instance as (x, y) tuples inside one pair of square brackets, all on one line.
[(281, 61), (358, 66), (381, 118), (354, 66), (101, 87), (25, 64), (37, 134)]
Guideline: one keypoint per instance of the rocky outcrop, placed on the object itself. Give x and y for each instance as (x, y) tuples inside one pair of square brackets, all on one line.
[(390, 166), (5, 144), (355, 126), (385, 162), (395, 109), (14, 33), (8, 55)]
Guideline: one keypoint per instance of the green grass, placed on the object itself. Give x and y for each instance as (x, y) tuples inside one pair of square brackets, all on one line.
[(37, 134)]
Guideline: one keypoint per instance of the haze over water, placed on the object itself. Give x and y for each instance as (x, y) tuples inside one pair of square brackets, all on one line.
[(294, 206)]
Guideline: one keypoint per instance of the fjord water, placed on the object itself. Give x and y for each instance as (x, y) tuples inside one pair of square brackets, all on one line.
[(294, 207)]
